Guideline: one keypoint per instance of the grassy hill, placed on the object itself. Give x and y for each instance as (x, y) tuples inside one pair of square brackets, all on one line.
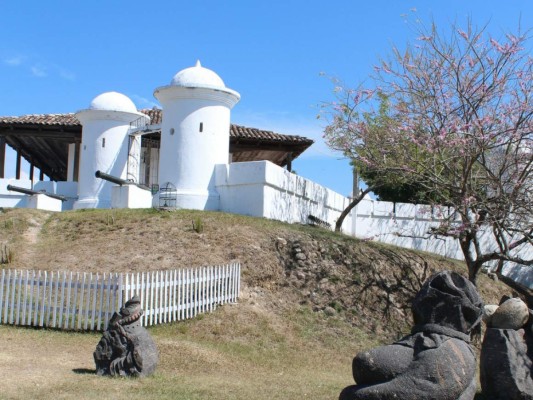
[(310, 300)]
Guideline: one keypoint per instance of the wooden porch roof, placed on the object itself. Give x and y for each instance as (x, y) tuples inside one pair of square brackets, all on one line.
[(43, 141)]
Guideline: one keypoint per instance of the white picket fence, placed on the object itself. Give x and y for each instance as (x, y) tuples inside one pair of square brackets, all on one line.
[(86, 301)]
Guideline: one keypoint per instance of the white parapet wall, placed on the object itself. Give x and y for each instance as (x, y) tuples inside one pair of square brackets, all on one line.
[(404, 225), (130, 196), (9, 198), (409, 226), (44, 202), (68, 189), (263, 189)]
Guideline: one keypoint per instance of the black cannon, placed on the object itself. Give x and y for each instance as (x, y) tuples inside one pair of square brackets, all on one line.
[(32, 192), (111, 178), (116, 180)]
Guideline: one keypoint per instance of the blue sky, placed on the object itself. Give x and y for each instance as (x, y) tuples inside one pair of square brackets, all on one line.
[(56, 56)]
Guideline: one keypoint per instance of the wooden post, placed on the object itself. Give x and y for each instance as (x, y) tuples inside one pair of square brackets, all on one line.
[(2, 156), (32, 167), (19, 160), (76, 162), (289, 162), (355, 183)]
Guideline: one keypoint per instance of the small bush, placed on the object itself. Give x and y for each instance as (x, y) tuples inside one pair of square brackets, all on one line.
[(6, 254), (337, 306), (198, 225), (111, 219)]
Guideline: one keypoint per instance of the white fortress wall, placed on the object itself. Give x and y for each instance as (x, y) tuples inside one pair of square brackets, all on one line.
[(407, 225), (263, 189), (241, 188), (404, 225)]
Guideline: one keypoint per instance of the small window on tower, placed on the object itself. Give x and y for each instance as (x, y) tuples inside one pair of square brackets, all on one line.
[(201, 126), (103, 142)]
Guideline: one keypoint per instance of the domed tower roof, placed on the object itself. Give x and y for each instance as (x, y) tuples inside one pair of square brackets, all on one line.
[(113, 101), (197, 76), (196, 83), (111, 106)]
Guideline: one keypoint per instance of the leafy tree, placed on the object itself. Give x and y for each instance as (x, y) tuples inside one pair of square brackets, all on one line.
[(388, 187), (452, 118)]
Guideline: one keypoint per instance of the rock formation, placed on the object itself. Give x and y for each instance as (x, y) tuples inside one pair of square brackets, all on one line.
[(437, 360), (126, 348), (506, 365)]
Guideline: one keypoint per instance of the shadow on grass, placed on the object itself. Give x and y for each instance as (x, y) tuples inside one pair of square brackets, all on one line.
[(82, 371)]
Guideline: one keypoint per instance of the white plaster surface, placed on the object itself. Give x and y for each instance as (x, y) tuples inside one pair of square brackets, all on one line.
[(67, 189), (9, 198), (263, 189), (130, 196), (43, 202)]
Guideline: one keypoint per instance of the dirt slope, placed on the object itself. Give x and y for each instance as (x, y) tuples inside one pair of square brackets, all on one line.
[(284, 266)]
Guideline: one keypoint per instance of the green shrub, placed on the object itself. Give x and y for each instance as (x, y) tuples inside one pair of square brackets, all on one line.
[(198, 225)]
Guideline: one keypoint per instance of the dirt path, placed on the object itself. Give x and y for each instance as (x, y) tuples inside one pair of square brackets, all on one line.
[(30, 250)]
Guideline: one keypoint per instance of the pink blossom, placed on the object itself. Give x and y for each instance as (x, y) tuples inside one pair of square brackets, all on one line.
[(496, 45), (463, 34)]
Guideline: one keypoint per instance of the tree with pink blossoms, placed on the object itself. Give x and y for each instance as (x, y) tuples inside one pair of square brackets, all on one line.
[(452, 115)]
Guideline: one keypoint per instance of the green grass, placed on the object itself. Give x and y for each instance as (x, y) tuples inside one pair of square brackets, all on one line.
[(236, 352)]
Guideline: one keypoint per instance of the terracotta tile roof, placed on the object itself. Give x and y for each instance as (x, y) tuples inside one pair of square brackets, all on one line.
[(42, 119), (155, 114), (236, 131)]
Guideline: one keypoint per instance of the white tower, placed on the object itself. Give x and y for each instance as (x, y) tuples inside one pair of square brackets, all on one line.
[(194, 135), (104, 146)]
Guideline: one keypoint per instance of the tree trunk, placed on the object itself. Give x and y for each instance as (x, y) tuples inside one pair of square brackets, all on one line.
[(465, 243), (472, 276), (353, 203)]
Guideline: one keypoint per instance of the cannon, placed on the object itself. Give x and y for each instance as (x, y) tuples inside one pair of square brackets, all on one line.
[(116, 180), (111, 178), (32, 192)]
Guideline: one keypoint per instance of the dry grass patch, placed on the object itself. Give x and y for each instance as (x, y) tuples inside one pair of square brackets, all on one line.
[(277, 343), (237, 352)]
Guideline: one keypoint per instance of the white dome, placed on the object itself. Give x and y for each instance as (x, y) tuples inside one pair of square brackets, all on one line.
[(197, 76), (113, 101)]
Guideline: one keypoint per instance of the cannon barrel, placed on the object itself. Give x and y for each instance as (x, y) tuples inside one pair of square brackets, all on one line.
[(32, 192), (118, 181), (111, 178)]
